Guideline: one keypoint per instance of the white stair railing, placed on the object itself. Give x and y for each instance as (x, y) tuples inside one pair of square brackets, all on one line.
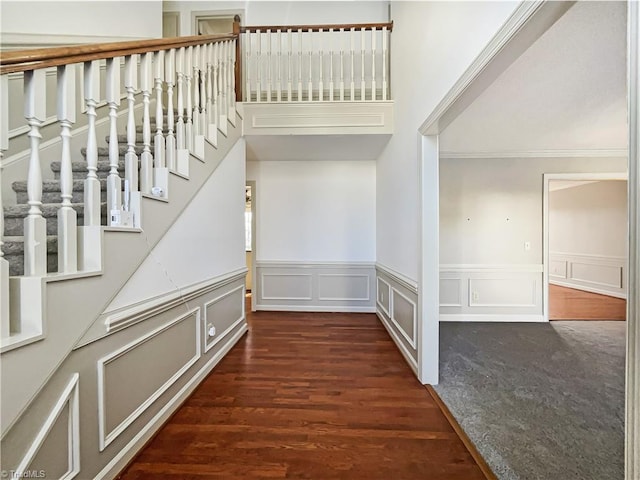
[(114, 182), (146, 159), (92, 184)]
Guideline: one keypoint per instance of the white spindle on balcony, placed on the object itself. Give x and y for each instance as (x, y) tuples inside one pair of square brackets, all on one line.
[(188, 72), (384, 63), (373, 64), (5, 320), (341, 66), (331, 65), (232, 82), (146, 159), (320, 65), (131, 158), (299, 64), (362, 56), (310, 79), (353, 69), (158, 141), (67, 216), (269, 64), (92, 184), (279, 63), (114, 182), (247, 66), (170, 78), (290, 64)]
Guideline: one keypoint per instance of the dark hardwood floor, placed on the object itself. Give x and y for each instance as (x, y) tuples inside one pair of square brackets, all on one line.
[(570, 304), (309, 396)]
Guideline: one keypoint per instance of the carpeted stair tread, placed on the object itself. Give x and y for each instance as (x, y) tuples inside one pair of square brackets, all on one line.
[(14, 254), (51, 191), (79, 169), (122, 149)]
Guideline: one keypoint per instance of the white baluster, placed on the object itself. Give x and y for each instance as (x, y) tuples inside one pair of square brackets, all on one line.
[(232, 82), (247, 73), (310, 82), (35, 226), (341, 65), (196, 92), (170, 78), (114, 183), (259, 66), (211, 130), (158, 142), (146, 159), (180, 134), (384, 63), (290, 60), (188, 69), (5, 320), (331, 64), (269, 63), (362, 49), (131, 158), (92, 184), (223, 106), (204, 111), (216, 89), (373, 64), (279, 60), (67, 216), (299, 64), (353, 69), (321, 64)]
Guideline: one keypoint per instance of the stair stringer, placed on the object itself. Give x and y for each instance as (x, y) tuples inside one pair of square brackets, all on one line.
[(26, 370)]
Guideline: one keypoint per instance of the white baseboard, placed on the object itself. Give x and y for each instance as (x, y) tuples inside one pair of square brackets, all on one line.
[(120, 461), (470, 317), (314, 308)]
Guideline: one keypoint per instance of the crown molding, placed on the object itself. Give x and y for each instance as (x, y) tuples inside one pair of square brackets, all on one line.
[(575, 153)]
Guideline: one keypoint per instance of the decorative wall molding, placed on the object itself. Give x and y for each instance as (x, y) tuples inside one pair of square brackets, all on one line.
[(574, 153), (206, 320), (124, 317), (106, 437), (70, 397), (398, 277), (315, 286), (485, 292), (126, 454), (397, 309), (308, 118), (605, 275)]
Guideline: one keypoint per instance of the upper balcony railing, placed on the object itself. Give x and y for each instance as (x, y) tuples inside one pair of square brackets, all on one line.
[(309, 63)]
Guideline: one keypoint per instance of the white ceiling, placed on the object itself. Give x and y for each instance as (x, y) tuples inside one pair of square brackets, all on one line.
[(314, 147), (566, 92)]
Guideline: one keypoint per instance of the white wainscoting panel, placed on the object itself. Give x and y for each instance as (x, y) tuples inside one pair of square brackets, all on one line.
[(591, 273), (309, 118), (144, 370), (224, 313), (397, 309), (315, 286), (46, 454), (491, 293)]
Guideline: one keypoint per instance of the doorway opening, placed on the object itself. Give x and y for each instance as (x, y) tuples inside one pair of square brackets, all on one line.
[(250, 242)]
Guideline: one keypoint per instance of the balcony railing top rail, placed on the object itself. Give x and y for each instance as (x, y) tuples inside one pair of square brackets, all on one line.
[(317, 28), (25, 60)]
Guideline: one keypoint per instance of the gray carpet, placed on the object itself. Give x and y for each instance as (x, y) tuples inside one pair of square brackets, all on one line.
[(539, 401)]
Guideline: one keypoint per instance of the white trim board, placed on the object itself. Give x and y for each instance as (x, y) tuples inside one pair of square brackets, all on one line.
[(476, 317), (591, 153)]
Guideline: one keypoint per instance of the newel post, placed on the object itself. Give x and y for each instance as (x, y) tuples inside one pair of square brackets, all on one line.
[(238, 65)]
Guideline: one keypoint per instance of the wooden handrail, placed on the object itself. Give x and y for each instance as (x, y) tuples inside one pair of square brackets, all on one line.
[(23, 60), (317, 28)]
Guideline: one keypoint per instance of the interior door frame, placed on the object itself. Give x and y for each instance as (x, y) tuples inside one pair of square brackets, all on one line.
[(548, 177)]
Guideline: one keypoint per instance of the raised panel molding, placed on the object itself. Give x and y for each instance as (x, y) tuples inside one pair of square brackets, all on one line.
[(207, 318), (309, 118), (605, 275), (486, 292), (398, 312), (108, 435), (68, 398), (315, 286)]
